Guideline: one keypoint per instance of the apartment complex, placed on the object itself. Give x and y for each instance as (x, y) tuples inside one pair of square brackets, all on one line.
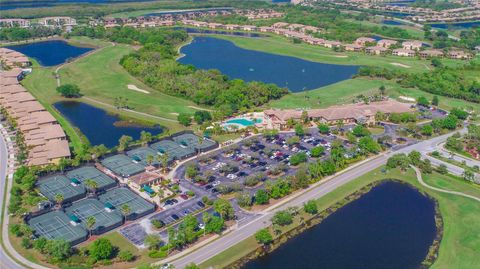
[(44, 137)]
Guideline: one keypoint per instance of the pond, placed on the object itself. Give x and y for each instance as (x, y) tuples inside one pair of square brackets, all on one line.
[(455, 25), (392, 22), (392, 226), (50, 53), (284, 71), (98, 126)]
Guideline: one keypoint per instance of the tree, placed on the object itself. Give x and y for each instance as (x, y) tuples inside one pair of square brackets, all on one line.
[(126, 256), (301, 179), (261, 197), (423, 101), (59, 199), (58, 250), (153, 241), (310, 207), (125, 209), (459, 113), (69, 90), (323, 128), (382, 90), (202, 116), (427, 130), (435, 101), (214, 224), (282, 218), (360, 131), (244, 199), (442, 169), (163, 159), (436, 63), (101, 249), (450, 122), (184, 119), (264, 236), (224, 208), (398, 160), (426, 166), (317, 151), (145, 137), (90, 223), (98, 151), (124, 142), (299, 129), (298, 158), (468, 175), (149, 159), (368, 145), (414, 157), (91, 185)]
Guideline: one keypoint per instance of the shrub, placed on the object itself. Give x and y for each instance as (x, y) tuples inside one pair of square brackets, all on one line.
[(157, 254), (298, 158), (282, 218), (261, 197), (101, 249), (317, 151), (264, 236), (310, 207), (126, 256), (323, 128), (69, 90)]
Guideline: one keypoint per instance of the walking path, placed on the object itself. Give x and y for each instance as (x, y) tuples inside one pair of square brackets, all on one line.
[(420, 179)]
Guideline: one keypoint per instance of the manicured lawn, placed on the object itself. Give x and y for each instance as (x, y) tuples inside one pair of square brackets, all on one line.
[(461, 239)]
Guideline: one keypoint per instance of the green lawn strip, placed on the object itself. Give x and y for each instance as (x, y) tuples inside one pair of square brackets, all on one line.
[(461, 238)]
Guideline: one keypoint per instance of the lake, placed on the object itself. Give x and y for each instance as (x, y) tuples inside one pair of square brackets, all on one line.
[(99, 126), (52, 52), (391, 22), (460, 25), (392, 226), (284, 71)]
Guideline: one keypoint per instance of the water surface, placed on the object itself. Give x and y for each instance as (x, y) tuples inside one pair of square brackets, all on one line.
[(284, 71), (7, 5), (459, 25), (99, 126), (52, 52), (392, 227)]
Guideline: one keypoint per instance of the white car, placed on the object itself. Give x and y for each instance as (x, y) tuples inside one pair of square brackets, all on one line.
[(216, 183), (201, 226)]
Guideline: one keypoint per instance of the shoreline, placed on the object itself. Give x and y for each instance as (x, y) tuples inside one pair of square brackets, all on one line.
[(317, 219)]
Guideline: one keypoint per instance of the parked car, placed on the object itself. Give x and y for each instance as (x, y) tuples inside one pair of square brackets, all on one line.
[(200, 204), (175, 217)]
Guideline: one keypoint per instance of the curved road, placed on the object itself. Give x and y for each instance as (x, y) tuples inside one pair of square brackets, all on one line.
[(206, 252)]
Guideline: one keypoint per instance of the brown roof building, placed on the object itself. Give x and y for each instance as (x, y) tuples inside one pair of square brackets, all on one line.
[(351, 113)]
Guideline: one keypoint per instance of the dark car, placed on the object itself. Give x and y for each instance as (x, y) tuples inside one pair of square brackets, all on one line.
[(200, 204), (208, 187), (262, 163), (184, 196), (175, 217), (168, 202), (242, 174), (214, 190), (260, 146), (174, 200)]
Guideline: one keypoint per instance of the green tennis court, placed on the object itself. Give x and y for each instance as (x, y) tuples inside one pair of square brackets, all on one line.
[(89, 172), (59, 184), (122, 165), (56, 225), (119, 197)]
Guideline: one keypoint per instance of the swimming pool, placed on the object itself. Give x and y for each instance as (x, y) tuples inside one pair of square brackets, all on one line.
[(244, 122)]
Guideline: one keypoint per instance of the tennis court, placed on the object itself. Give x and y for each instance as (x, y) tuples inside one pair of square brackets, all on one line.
[(194, 141), (118, 197), (122, 165), (60, 184), (173, 149), (140, 155), (88, 172), (104, 220), (56, 225)]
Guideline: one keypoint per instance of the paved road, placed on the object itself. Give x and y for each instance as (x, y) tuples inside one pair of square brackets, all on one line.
[(232, 238), (5, 261)]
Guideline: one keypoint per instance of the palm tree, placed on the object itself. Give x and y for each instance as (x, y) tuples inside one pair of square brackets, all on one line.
[(59, 198), (125, 209), (149, 159), (163, 159), (145, 137), (200, 142), (90, 223), (91, 185)]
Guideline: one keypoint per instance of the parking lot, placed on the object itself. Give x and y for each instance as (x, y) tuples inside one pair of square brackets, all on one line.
[(262, 157)]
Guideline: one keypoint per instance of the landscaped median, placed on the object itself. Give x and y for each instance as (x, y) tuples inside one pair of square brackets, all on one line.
[(461, 223)]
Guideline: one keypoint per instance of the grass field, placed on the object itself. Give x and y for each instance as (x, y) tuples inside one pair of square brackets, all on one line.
[(461, 238)]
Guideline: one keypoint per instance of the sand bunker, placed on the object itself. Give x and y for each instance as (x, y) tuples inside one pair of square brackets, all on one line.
[(135, 88)]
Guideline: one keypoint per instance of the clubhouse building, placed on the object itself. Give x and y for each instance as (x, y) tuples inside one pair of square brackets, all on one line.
[(351, 113)]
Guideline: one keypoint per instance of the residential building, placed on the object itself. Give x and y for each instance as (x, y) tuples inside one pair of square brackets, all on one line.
[(386, 43), (403, 52)]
